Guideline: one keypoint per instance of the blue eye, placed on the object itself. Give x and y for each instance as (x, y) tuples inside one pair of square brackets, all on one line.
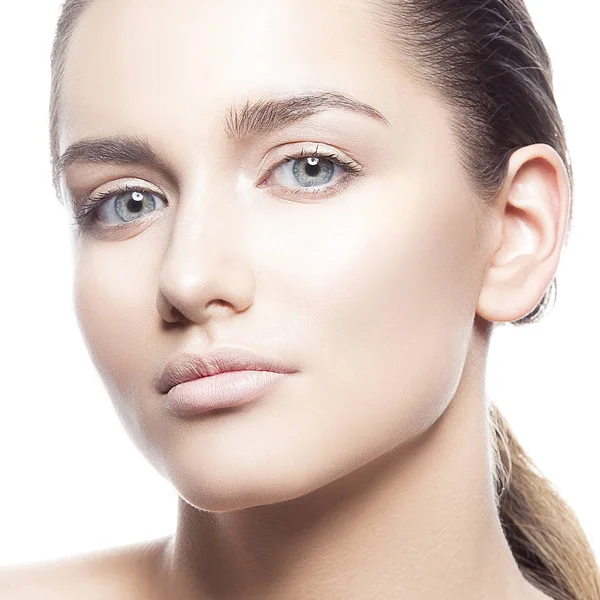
[(313, 173), (130, 203), (312, 170)]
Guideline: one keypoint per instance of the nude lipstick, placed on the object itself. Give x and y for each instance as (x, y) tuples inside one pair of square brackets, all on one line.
[(226, 377)]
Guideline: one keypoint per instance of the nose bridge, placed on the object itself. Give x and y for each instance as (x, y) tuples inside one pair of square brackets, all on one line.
[(206, 214), (204, 250)]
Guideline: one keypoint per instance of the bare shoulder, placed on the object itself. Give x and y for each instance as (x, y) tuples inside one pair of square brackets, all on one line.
[(124, 573)]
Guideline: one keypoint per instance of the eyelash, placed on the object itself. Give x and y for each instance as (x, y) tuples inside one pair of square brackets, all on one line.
[(86, 217)]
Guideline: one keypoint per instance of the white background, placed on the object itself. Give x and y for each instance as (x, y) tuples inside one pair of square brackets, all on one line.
[(72, 481)]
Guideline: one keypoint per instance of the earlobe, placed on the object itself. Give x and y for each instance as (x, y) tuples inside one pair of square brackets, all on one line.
[(532, 212)]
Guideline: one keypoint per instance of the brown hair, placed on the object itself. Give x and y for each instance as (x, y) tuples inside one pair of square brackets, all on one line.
[(485, 58)]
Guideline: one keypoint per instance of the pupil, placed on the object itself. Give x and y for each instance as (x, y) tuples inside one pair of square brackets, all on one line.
[(136, 203), (313, 167)]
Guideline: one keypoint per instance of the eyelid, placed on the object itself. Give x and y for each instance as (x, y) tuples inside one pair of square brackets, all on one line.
[(86, 217), (349, 166), (307, 149)]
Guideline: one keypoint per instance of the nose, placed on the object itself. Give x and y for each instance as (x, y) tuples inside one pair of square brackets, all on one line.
[(205, 270)]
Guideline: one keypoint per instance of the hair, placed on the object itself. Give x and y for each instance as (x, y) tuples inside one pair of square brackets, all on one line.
[(487, 61)]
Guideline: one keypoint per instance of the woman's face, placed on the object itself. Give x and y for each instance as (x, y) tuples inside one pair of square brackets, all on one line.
[(367, 288)]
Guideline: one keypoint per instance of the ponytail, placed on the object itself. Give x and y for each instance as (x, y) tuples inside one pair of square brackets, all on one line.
[(543, 533)]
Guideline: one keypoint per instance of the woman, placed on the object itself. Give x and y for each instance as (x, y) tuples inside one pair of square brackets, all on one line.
[(347, 197)]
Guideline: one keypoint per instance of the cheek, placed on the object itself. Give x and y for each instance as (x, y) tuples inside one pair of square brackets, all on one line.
[(393, 313), (115, 308)]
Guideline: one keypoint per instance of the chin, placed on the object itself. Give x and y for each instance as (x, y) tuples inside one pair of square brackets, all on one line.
[(239, 482), (212, 497)]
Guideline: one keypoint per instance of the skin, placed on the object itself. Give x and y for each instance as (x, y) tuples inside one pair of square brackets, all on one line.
[(366, 473)]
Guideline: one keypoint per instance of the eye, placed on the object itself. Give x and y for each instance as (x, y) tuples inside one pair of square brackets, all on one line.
[(118, 207), (130, 205), (312, 173), (309, 171)]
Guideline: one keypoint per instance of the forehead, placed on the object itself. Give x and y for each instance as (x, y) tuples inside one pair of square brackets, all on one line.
[(179, 64)]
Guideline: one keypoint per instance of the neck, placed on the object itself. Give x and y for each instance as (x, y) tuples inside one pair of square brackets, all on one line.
[(419, 522)]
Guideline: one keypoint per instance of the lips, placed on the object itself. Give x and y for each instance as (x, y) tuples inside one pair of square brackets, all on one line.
[(187, 366)]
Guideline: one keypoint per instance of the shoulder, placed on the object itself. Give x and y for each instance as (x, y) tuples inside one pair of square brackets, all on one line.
[(125, 573)]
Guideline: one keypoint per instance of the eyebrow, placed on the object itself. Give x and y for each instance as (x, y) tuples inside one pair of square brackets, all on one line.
[(265, 116), (258, 117)]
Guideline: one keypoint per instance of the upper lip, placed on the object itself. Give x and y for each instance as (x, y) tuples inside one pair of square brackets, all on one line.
[(187, 366)]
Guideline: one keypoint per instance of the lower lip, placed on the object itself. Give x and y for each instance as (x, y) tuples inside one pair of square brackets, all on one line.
[(224, 390)]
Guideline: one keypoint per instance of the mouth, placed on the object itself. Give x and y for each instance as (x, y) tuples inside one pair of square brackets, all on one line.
[(189, 367), (223, 390)]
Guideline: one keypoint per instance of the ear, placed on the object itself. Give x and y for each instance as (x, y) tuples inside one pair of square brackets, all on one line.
[(531, 214)]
